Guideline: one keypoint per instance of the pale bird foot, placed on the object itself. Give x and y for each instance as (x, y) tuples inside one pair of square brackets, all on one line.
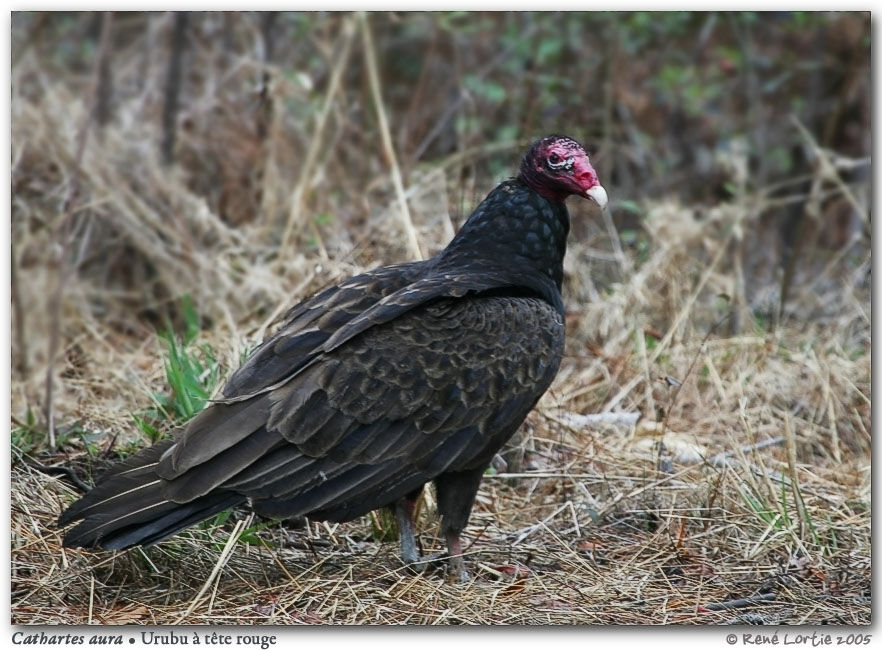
[(452, 566)]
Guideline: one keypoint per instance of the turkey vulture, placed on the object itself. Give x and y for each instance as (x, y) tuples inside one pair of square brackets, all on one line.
[(406, 374)]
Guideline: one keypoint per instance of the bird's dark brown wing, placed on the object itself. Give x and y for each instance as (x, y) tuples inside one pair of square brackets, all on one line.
[(307, 326), (337, 315), (436, 389), (310, 332)]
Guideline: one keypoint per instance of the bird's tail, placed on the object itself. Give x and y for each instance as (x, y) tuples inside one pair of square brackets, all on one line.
[(127, 506)]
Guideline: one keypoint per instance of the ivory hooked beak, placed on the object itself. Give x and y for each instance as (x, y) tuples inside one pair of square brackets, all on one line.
[(598, 195)]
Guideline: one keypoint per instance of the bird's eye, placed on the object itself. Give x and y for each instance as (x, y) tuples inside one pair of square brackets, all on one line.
[(555, 162)]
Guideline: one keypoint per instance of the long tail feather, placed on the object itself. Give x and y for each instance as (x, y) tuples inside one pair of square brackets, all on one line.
[(148, 526), (128, 508)]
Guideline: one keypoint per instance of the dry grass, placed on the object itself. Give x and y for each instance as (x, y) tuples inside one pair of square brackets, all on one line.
[(747, 478), (651, 525)]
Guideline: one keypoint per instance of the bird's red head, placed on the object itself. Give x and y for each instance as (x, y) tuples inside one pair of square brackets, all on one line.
[(557, 166)]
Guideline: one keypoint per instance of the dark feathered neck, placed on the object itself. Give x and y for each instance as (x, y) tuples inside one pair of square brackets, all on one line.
[(530, 177), (515, 235)]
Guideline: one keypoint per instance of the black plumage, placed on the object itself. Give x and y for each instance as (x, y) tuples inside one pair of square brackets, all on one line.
[(403, 375)]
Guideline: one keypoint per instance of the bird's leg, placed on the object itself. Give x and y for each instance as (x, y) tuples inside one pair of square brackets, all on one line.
[(404, 515), (456, 571), (456, 495), (410, 555)]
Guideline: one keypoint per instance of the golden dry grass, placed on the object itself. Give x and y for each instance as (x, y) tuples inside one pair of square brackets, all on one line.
[(741, 496), (618, 525)]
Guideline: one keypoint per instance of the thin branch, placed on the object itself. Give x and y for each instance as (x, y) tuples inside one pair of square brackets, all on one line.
[(67, 229), (20, 349), (221, 562), (59, 470), (615, 240), (828, 169), (722, 460), (759, 599), (173, 88), (499, 59), (389, 150), (684, 312), (298, 196), (673, 401)]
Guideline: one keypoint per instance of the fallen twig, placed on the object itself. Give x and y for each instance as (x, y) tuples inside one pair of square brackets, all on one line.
[(579, 420), (722, 459), (63, 471), (739, 602), (828, 169), (221, 561)]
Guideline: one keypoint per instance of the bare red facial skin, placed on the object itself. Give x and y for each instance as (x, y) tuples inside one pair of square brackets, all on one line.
[(574, 176), (584, 174)]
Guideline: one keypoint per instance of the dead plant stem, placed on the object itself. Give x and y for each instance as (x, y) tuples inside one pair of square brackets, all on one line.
[(65, 266), (386, 137), (298, 197), (221, 561)]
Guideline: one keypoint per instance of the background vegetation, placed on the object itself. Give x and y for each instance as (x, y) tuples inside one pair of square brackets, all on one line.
[(178, 180)]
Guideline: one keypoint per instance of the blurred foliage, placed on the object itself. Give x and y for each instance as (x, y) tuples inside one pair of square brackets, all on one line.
[(694, 106), (665, 91)]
